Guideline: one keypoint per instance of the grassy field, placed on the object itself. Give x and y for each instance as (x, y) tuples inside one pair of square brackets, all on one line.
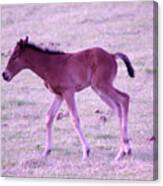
[(125, 27)]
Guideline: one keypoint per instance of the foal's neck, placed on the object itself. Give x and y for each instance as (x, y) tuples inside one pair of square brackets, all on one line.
[(38, 62)]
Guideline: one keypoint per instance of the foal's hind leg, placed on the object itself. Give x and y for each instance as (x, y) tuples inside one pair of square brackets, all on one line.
[(49, 120), (70, 100), (124, 105), (119, 102)]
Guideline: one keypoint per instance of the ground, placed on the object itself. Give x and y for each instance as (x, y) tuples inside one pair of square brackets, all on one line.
[(124, 27)]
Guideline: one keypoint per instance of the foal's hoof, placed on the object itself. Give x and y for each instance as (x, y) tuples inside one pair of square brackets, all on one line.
[(86, 154), (46, 153), (119, 156), (122, 153)]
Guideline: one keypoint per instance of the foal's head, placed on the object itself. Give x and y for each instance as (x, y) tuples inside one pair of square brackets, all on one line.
[(16, 62)]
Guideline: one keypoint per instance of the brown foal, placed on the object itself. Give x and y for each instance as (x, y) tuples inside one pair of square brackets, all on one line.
[(67, 73)]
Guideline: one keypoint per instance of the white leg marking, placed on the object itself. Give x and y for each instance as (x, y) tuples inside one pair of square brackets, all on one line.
[(125, 148), (86, 149), (76, 123), (49, 120), (119, 103)]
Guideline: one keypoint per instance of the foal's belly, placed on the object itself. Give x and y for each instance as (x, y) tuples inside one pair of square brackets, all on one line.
[(82, 79), (60, 88), (78, 80)]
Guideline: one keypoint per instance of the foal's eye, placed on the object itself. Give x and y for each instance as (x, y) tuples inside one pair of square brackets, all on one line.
[(15, 56)]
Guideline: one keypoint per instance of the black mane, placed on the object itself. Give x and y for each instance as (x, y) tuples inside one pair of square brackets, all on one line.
[(44, 50)]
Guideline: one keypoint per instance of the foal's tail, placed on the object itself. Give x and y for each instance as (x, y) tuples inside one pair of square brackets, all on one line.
[(127, 62)]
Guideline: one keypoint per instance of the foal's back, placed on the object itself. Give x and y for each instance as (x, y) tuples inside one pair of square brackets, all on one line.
[(89, 65), (81, 69)]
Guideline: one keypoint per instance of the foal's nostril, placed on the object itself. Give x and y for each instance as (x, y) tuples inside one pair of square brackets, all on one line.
[(5, 77)]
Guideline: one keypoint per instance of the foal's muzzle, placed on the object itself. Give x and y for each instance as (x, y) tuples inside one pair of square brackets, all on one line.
[(6, 76)]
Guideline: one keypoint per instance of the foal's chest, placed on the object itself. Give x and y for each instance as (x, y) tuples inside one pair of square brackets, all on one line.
[(56, 89)]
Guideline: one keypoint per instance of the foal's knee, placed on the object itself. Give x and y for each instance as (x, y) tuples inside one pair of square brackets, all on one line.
[(76, 123), (49, 120)]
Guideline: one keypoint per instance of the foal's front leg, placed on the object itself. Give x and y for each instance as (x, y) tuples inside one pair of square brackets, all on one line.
[(70, 100), (49, 120)]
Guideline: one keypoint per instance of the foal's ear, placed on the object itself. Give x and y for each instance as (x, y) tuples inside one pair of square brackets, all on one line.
[(21, 44), (26, 40)]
